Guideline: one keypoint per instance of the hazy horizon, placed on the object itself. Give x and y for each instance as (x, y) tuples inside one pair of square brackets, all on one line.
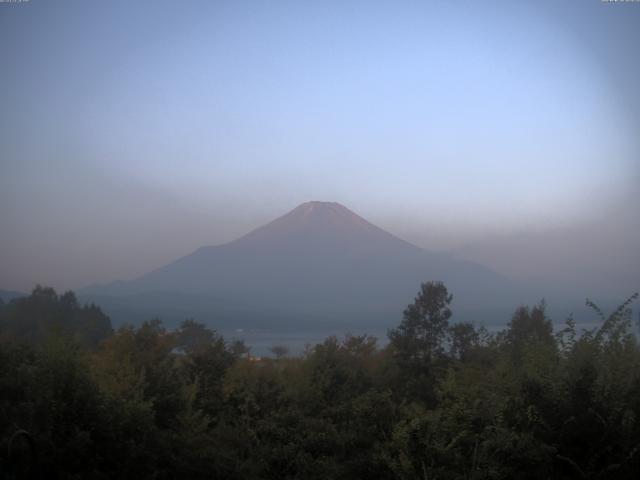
[(134, 133)]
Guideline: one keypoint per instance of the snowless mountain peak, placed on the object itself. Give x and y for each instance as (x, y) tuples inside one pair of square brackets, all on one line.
[(318, 262), (315, 223)]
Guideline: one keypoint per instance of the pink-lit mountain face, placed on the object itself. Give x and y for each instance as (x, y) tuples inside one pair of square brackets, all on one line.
[(321, 228), (318, 262)]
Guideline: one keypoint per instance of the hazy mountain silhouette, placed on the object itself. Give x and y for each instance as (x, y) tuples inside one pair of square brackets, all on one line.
[(8, 295), (318, 263)]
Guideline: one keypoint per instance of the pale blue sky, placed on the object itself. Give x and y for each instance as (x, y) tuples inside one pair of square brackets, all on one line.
[(134, 132)]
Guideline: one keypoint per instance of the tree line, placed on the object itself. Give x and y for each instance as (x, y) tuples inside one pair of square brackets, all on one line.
[(442, 400)]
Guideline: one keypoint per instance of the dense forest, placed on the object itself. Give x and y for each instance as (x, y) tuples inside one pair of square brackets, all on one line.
[(442, 400)]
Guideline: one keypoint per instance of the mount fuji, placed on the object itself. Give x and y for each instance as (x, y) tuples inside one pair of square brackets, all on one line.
[(318, 265)]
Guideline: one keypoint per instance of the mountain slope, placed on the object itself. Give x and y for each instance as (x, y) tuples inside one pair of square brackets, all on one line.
[(8, 295), (318, 263)]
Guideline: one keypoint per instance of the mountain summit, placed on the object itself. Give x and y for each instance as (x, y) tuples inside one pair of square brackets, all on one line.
[(317, 216), (318, 263), (317, 227)]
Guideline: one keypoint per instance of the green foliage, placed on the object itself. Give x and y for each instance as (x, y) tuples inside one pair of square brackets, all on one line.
[(445, 401), (42, 314), (529, 327), (418, 343), (419, 337)]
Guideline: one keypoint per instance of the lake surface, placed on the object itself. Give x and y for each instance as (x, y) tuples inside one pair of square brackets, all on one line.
[(261, 341)]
